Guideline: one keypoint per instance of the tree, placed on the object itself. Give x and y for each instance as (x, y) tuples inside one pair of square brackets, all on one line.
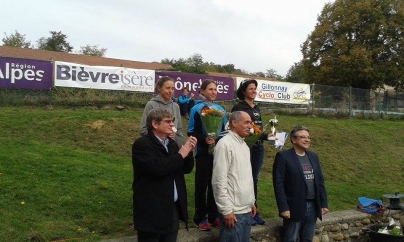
[(16, 40), (296, 73), (260, 74), (57, 42), (178, 65), (93, 50), (193, 64), (196, 64), (228, 68), (358, 43), (271, 73)]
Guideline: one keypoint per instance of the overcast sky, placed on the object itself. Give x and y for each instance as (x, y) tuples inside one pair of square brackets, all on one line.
[(254, 35)]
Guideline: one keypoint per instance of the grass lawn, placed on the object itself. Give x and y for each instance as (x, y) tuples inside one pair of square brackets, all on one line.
[(66, 174)]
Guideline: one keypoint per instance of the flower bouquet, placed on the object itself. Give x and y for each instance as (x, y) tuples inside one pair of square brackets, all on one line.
[(255, 135), (212, 120), (394, 228)]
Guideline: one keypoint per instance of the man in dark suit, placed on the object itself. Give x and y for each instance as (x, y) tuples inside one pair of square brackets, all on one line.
[(159, 191), (299, 187)]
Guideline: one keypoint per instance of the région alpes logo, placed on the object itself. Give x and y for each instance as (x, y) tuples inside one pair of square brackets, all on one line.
[(16, 71)]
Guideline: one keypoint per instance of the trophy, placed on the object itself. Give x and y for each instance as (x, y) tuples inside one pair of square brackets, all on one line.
[(273, 122)]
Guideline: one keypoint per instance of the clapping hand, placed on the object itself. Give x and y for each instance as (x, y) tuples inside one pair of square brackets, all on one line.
[(188, 147)]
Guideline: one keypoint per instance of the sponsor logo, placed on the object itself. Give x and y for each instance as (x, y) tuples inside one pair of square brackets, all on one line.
[(15, 72), (274, 88), (221, 87), (300, 95), (274, 96), (128, 79)]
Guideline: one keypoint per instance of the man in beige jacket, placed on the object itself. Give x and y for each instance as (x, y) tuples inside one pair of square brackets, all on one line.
[(232, 181)]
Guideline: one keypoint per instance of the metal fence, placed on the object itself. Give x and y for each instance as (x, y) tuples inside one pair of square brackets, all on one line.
[(356, 100), (324, 99)]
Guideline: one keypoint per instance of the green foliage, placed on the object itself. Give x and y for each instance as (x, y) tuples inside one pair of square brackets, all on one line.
[(195, 64), (16, 40), (395, 231), (271, 73), (93, 50), (57, 42), (228, 68), (358, 43), (260, 74), (296, 73), (66, 174)]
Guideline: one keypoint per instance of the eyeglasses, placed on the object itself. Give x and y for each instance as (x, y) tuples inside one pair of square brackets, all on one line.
[(303, 137), (168, 121)]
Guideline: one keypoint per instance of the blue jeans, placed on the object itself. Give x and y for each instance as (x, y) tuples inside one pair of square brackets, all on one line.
[(240, 232), (304, 228), (257, 159)]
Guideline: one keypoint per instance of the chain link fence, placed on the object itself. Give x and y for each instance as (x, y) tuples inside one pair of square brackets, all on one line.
[(324, 99), (65, 96), (356, 100)]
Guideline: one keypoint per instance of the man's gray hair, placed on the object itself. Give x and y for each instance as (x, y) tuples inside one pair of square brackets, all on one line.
[(156, 115), (234, 116)]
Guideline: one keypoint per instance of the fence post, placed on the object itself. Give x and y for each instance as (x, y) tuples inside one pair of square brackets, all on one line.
[(396, 102), (312, 98), (350, 101)]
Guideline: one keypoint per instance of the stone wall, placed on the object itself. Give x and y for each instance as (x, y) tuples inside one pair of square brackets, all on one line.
[(343, 226)]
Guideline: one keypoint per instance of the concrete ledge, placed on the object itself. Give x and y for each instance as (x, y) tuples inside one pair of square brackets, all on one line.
[(270, 230)]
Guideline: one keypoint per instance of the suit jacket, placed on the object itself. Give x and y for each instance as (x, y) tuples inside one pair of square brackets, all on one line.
[(290, 186), (154, 172)]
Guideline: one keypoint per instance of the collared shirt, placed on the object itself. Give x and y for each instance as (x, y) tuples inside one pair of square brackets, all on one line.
[(165, 144)]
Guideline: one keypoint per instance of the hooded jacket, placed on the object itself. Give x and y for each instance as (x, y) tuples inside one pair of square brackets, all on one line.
[(171, 106), (195, 125)]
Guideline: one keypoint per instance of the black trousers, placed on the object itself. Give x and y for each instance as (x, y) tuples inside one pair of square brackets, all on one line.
[(204, 200), (167, 237), (186, 107)]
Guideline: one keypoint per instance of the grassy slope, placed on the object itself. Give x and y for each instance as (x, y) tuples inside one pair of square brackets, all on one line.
[(67, 173)]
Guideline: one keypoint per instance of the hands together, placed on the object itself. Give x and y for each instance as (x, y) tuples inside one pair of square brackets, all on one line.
[(189, 146), (209, 140)]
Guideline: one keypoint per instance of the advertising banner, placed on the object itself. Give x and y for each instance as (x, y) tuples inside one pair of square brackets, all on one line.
[(225, 85), (281, 92), (103, 77), (25, 73)]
